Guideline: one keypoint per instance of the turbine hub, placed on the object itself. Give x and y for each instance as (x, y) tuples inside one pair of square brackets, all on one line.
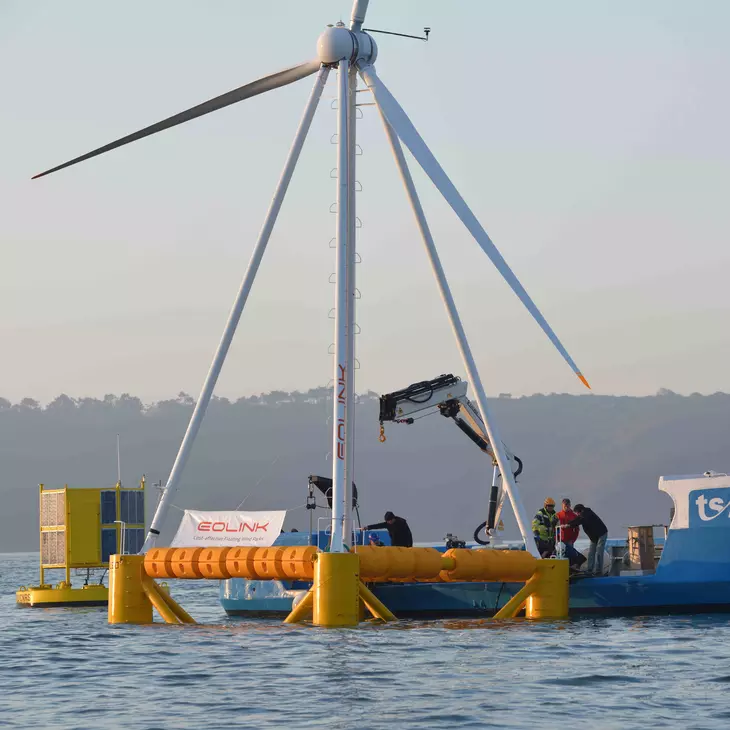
[(338, 43)]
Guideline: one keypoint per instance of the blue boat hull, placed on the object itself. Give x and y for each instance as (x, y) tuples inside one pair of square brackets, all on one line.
[(624, 595)]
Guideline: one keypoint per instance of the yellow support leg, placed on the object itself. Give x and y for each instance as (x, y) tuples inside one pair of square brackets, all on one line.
[(375, 605), (177, 609), (513, 606), (336, 589), (303, 610), (128, 602), (157, 600)]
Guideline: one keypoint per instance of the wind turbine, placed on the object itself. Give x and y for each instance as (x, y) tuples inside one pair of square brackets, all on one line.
[(349, 51)]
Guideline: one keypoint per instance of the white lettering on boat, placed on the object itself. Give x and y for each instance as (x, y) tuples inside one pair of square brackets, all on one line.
[(716, 504)]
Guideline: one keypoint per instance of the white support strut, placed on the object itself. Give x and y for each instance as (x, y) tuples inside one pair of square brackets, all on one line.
[(461, 340), (235, 314), (342, 374)]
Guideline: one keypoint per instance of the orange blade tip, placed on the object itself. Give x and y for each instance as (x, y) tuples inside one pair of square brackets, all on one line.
[(584, 381)]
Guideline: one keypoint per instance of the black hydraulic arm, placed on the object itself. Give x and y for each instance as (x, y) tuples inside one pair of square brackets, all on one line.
[(416, 393)]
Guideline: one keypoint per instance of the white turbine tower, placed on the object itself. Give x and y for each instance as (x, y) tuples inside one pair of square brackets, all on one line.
[(349, 51)]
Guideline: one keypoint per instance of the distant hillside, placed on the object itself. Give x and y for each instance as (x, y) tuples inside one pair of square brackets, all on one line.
[(605, 451)]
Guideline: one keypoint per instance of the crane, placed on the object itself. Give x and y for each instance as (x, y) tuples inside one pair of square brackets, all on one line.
[(446, 395)]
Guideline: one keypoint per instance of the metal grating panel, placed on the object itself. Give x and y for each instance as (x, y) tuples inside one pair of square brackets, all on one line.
[(53, 548), (53, 509)]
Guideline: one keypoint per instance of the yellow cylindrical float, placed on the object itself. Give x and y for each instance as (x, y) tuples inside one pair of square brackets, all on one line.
[(467, 565), (267, 563), (551, 593), (386, 563), (429, 562), (378, 564), (336, 589), (374, 561), (505, 566), (297, 563), (402, 564), (157, 563), (128, 602), (271, 563), (508, 566), (239, 563), (212, 563), (184, 563)]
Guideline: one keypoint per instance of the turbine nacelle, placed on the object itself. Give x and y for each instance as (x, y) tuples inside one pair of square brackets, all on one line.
[(337, 43)]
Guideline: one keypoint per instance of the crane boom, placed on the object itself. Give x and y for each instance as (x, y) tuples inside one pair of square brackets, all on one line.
[(446, 395)]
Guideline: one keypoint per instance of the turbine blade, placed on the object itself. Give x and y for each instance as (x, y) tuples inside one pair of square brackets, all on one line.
[(260, 86), (410, 137), (357, 17)]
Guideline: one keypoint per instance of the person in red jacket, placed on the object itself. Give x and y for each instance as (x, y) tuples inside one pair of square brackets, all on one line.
[(568, 535)]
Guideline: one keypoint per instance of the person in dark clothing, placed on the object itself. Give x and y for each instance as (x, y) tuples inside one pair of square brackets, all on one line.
[(400, 533), (596, 531)]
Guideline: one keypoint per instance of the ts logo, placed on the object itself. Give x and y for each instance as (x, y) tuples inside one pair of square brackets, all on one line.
[(709, 508)]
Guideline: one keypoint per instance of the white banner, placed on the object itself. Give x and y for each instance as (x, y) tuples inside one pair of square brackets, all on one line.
[(228, 529)]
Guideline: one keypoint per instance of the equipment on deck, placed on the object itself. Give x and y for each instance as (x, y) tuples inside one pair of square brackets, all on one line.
[(446, 395), (324, 484), (452, 541)]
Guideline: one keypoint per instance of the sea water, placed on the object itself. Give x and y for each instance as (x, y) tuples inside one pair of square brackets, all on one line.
[(67, 668)]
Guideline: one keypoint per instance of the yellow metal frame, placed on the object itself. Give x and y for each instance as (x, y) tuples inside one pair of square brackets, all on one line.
[(68, 504), (373, 604), (338, 596)]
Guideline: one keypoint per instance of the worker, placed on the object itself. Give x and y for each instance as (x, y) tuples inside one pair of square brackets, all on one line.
[(568, 535), (374, 540), (543, 528), (400, 533), (597, 532)]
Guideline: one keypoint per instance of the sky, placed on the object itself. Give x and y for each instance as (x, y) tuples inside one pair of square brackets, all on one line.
[(590, 139)]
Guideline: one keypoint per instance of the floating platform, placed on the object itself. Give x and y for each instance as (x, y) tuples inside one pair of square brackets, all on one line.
[(691, 576), (79, 529), (46, 596)]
